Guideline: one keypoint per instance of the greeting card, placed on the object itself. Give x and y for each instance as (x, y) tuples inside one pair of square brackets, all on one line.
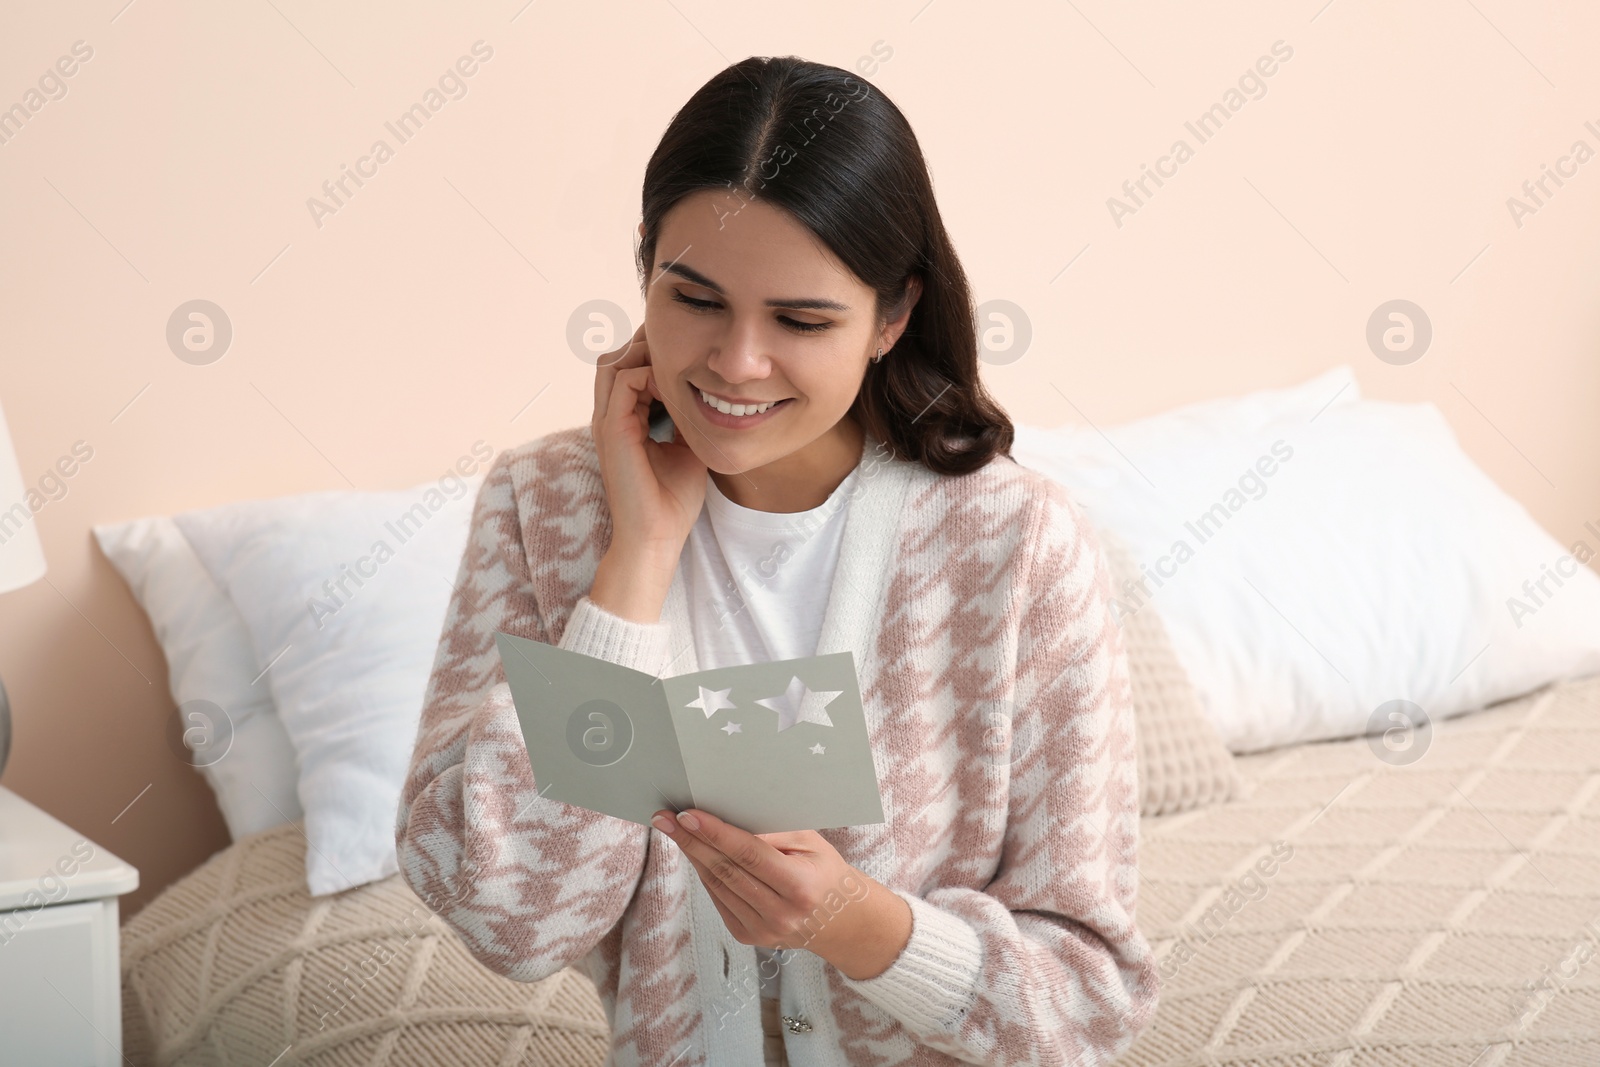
[(764, 746)]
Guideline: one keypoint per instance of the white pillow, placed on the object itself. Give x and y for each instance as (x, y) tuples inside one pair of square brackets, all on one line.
[(209, 659), (344, 595), (1366, 559)]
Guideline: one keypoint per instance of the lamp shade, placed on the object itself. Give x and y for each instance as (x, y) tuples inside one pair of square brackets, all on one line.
[(21, 555)]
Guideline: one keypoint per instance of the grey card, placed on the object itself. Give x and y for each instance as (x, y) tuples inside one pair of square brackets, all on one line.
[(764, 746), (779, 746), (597, 734)]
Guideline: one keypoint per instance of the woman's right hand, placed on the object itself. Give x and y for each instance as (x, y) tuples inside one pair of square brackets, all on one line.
[(655, 489)]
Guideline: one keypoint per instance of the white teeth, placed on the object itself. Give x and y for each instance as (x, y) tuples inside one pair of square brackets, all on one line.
[(734, 409)]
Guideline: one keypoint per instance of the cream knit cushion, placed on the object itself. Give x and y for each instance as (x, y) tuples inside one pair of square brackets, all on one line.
[(236, 964), (1183, 763)]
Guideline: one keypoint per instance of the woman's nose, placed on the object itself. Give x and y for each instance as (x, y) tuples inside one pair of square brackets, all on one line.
[(741, 356)]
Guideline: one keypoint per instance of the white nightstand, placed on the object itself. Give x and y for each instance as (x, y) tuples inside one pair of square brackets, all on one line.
[(60, 973)]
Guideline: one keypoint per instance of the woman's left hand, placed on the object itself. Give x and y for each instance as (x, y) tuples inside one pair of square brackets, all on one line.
[(786, 890)]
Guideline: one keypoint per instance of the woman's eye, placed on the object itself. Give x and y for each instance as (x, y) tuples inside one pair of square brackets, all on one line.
[(698, 305), (711, 305), (804, 327)]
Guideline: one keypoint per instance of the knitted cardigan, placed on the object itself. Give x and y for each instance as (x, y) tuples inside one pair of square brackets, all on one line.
[(977, 610)]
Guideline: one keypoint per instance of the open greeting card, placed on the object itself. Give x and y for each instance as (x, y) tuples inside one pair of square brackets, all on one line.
[(764, 746)]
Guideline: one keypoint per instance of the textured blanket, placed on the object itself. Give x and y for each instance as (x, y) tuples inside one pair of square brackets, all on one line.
[(1347, 910), (1438, 912)]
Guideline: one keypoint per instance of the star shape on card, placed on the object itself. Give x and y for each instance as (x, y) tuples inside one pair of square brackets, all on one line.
[(711, 701), (817, 749), (800, 704), (730, 728)]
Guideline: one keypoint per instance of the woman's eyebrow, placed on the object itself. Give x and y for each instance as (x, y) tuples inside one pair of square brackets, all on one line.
[(804, 303)]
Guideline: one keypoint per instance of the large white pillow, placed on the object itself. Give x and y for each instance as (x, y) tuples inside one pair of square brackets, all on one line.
[(1354, 555), (244, 754), (344, 596)]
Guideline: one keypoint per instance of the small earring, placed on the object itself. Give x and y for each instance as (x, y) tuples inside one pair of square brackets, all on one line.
[(879, 357)]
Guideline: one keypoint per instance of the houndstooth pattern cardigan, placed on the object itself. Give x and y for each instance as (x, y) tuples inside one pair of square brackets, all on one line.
[(977, 610)]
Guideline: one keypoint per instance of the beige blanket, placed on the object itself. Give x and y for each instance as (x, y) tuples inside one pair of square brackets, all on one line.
[(1344, 911)]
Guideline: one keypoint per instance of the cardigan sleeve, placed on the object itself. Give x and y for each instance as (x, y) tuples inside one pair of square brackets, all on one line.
[(528, 883), (1045, 965)]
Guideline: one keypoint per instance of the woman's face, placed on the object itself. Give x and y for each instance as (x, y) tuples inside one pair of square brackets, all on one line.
[(746, 305)]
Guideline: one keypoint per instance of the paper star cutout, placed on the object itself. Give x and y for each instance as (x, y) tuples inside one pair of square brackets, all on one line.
[(800, 704), (731, 728), (711, 700), (817, 749)]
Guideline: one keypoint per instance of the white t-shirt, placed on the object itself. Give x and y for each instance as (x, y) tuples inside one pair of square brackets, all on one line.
[(757, 586)]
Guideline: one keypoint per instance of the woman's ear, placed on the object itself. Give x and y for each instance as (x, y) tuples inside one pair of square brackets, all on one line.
[(641, 230), (897, 325)]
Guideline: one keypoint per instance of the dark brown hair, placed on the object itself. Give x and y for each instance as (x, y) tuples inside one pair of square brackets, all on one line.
[(838, 156)]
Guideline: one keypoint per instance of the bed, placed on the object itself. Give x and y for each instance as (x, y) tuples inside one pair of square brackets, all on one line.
[(1427, 914), (1322, 887)]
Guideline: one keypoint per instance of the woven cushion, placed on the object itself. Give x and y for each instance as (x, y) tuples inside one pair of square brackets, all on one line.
[(1183, 763), (236, 962)]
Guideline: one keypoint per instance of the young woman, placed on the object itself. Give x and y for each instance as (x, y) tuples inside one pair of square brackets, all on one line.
[(834, 478)]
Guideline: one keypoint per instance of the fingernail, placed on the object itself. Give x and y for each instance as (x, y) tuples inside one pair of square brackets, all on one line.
[(688, 820), (662, 823)]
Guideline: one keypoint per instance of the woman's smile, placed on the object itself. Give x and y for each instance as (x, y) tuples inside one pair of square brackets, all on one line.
[(739, 416)]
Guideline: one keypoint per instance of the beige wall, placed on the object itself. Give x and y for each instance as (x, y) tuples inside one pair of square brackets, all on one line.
[(374, 348)]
